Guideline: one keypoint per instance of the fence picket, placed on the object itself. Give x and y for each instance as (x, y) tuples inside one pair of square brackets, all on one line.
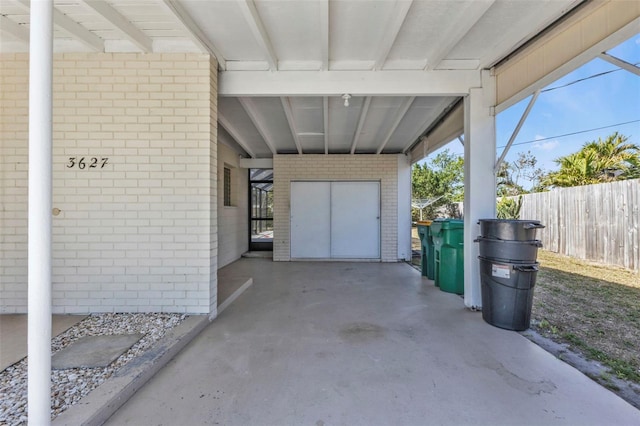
[(595, 222)]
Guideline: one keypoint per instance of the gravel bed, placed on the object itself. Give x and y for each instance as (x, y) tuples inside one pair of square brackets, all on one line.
[(69, 386)]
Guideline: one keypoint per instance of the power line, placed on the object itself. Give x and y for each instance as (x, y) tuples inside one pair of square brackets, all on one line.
[(573, 133), (584, 79)]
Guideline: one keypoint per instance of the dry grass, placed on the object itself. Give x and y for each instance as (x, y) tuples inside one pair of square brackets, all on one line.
[(593, 308)]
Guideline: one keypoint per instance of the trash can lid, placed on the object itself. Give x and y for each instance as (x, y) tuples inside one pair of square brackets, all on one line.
[(424, 222)]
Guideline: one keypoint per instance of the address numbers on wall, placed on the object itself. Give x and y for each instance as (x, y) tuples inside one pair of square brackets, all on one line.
[(87, 163)]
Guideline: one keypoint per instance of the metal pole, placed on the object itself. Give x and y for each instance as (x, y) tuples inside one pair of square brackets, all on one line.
[(40, 202), (517, 130)]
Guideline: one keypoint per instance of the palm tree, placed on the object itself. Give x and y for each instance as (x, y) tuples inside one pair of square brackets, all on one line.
[(598, 161)]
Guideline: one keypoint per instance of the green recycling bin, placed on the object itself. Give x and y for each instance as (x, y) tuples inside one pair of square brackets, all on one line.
[(448, 238), (427, 260)]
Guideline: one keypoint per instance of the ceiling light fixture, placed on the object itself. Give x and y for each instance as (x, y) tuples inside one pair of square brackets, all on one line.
[(346, 98)]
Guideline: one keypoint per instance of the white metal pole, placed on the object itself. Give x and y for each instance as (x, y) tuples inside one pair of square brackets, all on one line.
[(532, 102), (40, 202)]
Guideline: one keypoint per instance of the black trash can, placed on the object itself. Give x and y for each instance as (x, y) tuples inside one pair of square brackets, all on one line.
[(508, 269), (509, 229), (507, 293), (509, 251)]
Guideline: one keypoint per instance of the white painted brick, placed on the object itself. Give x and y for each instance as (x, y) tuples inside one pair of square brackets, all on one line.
[(112, 225)]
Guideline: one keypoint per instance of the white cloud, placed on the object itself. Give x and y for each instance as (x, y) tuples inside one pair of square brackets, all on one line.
[(546, 145)]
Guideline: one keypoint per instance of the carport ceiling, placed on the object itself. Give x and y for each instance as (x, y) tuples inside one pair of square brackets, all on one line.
[(284, 65)]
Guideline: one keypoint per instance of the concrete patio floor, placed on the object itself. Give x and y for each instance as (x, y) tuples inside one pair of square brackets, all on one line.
[(13, 334), (363, 344)]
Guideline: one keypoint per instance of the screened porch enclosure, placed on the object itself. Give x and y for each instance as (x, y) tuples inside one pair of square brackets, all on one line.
[(261, 209)]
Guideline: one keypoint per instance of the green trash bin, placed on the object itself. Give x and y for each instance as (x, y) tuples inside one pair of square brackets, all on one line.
[(448, 238), (427, 263)]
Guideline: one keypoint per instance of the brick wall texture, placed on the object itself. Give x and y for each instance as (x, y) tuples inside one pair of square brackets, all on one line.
[(383, 168), (233, 228), (140, 233)]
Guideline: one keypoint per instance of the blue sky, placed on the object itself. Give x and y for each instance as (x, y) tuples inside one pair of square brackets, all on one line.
[(597, 102)]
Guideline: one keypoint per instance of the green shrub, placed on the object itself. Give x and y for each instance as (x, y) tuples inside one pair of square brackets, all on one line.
[(509, 208)]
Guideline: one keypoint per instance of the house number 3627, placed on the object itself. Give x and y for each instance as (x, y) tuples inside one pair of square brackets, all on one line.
[(87, 163)]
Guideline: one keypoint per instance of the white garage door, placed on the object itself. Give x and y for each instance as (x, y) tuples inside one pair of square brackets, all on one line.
[(335, 220)]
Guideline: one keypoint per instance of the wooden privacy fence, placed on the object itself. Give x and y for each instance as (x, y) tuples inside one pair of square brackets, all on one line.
[(593, 222)]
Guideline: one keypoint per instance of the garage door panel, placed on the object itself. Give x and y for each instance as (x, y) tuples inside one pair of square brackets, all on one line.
[(310, 220), (355, 220)]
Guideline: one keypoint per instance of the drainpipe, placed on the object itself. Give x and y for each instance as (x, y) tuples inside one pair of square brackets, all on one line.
[(40, 202)]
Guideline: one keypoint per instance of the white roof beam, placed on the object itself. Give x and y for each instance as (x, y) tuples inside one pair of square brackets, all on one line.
[(324, 34), (471, 14), (258, 30), (361, 120), (325, 112), (428, 120), (401, 113), (74, 29), (620, 63), (288, 111), (356, 83), (77, 31), (137, 37), (231, 129), (393, 28), (10, 27), (251, 110), (197, 35)]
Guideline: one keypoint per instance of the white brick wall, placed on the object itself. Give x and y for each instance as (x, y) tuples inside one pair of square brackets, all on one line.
[(233, 228), (289, 168), (139, 234)]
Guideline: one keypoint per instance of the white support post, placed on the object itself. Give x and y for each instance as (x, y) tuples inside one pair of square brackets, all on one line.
[(40, 202), (404, 207), (479, 181)]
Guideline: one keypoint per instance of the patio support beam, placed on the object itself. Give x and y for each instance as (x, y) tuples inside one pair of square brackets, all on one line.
[(251, 110), (472, 13), (525, 114), (324, 35), (198, 37), (356, 83), (18, 31), (479, 180), (620, 63), (252, 17), (461, 139), (394, 24), (288, 111), (361, 120), (39, 214), (325, 112), (137, 37), (399, 116), (234, 133)]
